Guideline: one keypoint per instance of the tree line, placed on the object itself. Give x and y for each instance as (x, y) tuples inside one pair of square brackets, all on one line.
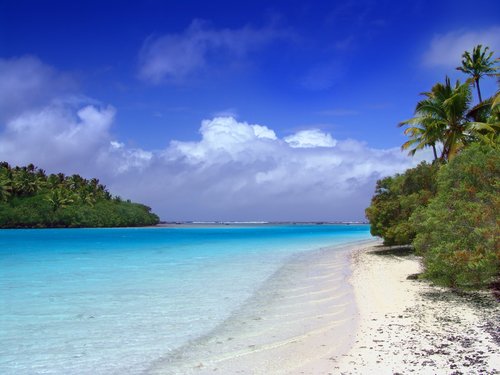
[(29, 198), (449, 209)]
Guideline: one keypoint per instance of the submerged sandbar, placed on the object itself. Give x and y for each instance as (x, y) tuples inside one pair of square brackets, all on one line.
[(299, 319)]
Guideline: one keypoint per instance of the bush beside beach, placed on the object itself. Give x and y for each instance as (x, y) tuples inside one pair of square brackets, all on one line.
[(448, 209)]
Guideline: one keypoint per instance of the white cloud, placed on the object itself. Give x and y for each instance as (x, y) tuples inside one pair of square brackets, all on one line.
[(447, 49), (173, 57), (234, 171), (57, 136), (310, 139), (118, 159), (26, 82), (223, 138)]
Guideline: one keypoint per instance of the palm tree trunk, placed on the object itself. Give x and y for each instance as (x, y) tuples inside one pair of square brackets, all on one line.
[(478, 91), (434, 151), (444, 153)]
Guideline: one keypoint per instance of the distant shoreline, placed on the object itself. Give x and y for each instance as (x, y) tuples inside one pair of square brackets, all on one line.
[(212, 224), (195, 224)]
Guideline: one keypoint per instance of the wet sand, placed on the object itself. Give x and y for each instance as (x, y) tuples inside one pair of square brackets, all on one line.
[(296, 322), (316, 317)]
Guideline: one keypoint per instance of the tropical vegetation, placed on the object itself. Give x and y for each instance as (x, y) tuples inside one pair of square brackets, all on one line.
[(458, 231), (448, 209), (478, 64), (29, 198), (396, 198)]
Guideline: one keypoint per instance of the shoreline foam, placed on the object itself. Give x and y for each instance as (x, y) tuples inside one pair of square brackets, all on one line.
[(301, 322), (296, 322)]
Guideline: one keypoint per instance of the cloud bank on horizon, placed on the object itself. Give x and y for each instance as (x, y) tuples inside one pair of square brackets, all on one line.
[(233, 170)]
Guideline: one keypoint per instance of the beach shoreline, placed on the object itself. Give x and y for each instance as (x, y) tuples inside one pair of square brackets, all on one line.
[(410, 326), (300, 317), (390, 324)]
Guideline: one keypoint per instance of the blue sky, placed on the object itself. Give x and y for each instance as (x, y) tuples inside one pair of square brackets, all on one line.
[(119, 91)]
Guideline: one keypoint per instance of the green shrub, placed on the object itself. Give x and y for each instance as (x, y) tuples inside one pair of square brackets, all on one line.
[(457, 233), (396, 198)]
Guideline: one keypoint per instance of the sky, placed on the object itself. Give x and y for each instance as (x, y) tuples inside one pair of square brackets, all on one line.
[(224, 110)]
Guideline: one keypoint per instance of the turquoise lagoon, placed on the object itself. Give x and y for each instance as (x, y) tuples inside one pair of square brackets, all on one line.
[(113, 301)]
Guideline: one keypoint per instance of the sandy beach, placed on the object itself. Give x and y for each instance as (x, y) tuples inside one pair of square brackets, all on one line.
[(311, 324), (294, 323), (408, 326)]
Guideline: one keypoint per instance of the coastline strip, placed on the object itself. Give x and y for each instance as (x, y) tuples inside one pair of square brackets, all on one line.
[(410, 326), (301, 316)]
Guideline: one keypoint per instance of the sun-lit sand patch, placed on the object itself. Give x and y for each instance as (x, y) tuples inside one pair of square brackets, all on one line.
[(304, 320), (409, 326), (300, 318)]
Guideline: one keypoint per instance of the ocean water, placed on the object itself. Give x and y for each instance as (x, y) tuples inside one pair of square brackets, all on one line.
[(114, 301)]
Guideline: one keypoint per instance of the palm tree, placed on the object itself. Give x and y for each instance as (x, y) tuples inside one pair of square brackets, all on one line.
[(478, 64), (423, 132), (456, 107), (486, 124), (59, 198), (75, 182), (5, 181), (87, 198), (23, 181), (5, 188), (441, 117)]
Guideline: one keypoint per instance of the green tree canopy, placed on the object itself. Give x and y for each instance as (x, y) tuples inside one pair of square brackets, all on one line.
[(449, 210), (395, 200), (29, 198), (457, 232), (478, 64), (442, 116)]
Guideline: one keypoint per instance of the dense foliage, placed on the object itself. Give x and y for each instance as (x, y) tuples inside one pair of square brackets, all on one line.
[(396, 198), (31, 199), (458, 232), (449, 210)]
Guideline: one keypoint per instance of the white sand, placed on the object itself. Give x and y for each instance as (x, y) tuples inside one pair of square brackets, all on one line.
[(296, 322), (408, 326), (305, 320)]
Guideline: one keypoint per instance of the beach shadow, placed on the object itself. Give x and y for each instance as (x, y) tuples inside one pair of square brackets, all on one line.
[(402, 250), (475, 299), (484, 303)]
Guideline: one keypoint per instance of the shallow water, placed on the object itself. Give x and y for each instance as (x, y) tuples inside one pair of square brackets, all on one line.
[(105, 301)]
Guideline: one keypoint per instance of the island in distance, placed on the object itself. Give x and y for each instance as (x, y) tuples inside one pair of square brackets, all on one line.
[(29, 198)]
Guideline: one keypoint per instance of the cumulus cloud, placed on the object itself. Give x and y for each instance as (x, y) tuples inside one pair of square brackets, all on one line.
[(447, 49), (223, 139), (26, 82), (57, 135), (310, 139), (173, 57), (118, 158), (239, 171), (234, 170)]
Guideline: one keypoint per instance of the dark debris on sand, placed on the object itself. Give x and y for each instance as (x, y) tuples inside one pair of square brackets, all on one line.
[(436, 337)]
